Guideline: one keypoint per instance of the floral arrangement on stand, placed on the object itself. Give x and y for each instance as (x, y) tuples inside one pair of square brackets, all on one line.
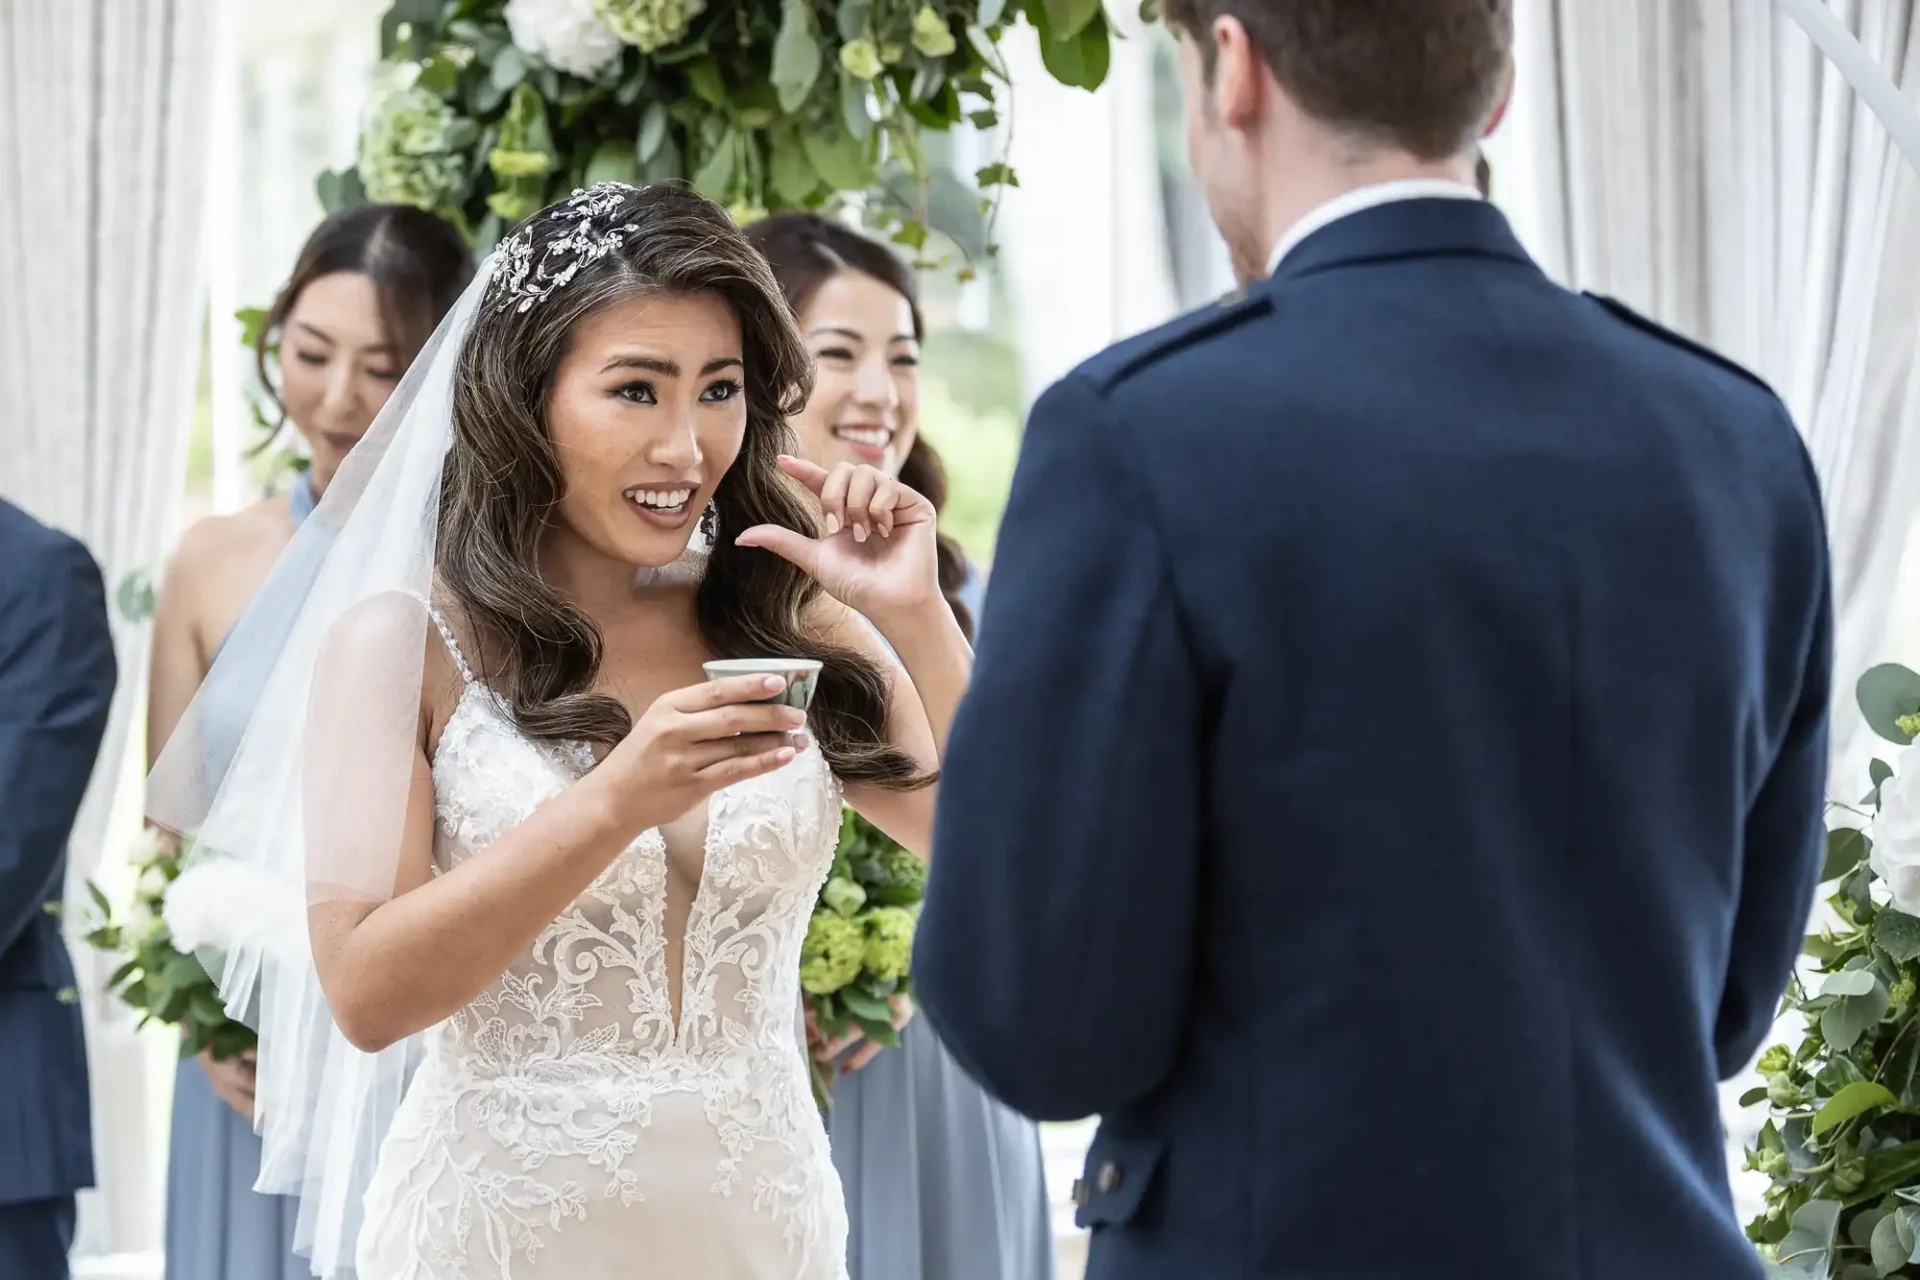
[(855, 962), (1841, 1146), (489, 109), (176, 914)]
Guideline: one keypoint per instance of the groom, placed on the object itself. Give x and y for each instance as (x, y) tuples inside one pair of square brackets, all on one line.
[(1391, 788)]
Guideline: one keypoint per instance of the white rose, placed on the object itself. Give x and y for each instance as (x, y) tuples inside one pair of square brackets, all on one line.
[(218, 904), (1896, 833), (140, 923), (566, 34), (152, 884)]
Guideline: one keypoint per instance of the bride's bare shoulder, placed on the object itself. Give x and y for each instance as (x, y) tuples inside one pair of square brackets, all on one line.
[(391, 635)]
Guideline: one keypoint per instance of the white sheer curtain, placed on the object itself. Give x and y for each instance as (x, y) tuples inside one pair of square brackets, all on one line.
[(1084, 235), (102, 139)]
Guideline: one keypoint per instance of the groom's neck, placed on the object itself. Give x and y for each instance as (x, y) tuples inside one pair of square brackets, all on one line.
[(1325, 171)]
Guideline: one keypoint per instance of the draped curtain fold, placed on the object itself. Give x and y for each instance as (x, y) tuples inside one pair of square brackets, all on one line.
[(103, 119)]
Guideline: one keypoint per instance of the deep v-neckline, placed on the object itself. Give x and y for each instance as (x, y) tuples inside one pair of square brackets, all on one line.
[(578, 758)]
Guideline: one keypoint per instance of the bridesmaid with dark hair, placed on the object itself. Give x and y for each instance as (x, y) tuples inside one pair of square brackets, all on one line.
[(942, 1182), (368, 289)]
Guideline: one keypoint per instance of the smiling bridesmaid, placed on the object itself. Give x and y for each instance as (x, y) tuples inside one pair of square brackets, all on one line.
[(370, 285), (942, 1182)]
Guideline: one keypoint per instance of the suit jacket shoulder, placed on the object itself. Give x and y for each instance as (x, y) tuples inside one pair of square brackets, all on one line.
[(35, 554), (1132, 355), (1622, 311)]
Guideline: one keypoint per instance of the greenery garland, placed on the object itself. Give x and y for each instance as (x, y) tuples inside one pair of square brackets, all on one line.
[(1841, 1145), (486, 110)]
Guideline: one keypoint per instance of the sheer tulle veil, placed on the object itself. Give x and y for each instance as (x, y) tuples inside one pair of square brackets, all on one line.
[(310, 798)]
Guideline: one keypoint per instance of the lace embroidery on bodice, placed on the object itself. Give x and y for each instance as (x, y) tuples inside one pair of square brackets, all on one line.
[(563, 1063)]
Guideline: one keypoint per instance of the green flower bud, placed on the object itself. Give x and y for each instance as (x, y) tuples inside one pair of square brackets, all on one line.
[(860, 59), (931, 35), (1782, 1093), (511, 206), (1900, 994), (1909, 724), (1773, 1164), (1774, 1061), (519, 164), (892, 53), (843, 895), (1849, 1176)]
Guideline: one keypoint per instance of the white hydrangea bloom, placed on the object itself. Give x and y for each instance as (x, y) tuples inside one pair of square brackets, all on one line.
[(566, 34)]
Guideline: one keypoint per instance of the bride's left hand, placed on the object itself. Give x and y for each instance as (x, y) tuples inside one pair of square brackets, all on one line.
[(879, 553)]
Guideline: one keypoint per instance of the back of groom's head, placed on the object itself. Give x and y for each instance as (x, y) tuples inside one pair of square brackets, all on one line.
[(1419, 76)]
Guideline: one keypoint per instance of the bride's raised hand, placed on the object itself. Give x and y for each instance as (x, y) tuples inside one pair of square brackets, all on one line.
[(878, 555), (691, 742)]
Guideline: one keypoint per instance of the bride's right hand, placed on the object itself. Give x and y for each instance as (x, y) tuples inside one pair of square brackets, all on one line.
[(693, 741)]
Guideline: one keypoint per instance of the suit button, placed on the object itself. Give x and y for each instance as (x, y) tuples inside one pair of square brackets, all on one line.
[(1109, 1178)]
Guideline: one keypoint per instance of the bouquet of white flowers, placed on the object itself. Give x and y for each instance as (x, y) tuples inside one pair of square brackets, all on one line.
[(180, 909)]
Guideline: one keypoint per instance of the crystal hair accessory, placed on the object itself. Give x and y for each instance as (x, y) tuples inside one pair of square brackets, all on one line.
[(521, 280)]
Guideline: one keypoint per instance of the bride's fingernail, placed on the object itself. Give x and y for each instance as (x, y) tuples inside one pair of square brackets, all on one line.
[(773, 684), (859, 533), (833, 524)]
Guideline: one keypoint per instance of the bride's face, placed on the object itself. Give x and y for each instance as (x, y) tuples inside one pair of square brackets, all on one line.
[(647, 412)]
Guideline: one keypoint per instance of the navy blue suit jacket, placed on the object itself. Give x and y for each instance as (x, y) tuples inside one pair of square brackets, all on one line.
[(1390, 791), (57, 674)]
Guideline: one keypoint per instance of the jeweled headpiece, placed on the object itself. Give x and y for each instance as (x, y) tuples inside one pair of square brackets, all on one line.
[(520, 280)]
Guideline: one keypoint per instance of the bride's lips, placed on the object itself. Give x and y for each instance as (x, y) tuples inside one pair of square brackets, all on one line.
[(664, 506), (868, 440)]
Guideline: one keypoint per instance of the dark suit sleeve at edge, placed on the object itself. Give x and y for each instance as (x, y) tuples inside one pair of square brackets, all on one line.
[(1055, 951), (57, 674), (1785, 835)]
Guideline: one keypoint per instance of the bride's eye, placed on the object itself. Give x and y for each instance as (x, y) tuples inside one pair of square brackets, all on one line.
[(638, 393), (721, 392)]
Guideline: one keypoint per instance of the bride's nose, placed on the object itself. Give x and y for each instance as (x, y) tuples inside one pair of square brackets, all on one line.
[(679, 449)]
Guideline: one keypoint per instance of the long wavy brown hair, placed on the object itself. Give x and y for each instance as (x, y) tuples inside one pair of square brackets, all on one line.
[(807, 250), (502, 486)]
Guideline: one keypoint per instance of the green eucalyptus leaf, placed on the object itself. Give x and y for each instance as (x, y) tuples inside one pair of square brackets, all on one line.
[(855, 113), (612, 162), (509, 68), (1809, 1246), (851, 19), (790, 172), (1079, 61), (796, 55), (1848, 982), (1878, 771), (653, 132), (703, 77), (838, 158), (985, 118), (1850, 1017), (1846, 846), (1897, 934), (1888, 1250), (715, 176), (862, 1005), (1854, 1100), (1068, 18), (1860, 1230), (1886, 693), (667, 165)]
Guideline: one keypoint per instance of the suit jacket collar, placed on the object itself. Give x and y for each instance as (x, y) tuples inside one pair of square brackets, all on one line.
[(1405, 229)]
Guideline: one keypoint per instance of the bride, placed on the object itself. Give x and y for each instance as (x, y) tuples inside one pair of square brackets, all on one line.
[(556, 882)]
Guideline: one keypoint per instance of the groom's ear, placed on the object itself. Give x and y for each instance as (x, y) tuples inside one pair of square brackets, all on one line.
[(1502, 102), (1239, 81)]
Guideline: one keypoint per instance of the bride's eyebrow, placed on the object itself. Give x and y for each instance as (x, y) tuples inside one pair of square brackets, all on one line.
[(669, 368)]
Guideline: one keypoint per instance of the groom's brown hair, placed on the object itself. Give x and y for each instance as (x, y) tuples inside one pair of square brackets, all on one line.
[(1419, 75)]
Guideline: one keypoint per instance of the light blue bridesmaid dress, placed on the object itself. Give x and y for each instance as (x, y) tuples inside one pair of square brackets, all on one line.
[(218, 1226), (942, 1182)]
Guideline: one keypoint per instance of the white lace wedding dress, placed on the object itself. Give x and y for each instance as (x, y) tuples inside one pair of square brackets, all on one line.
[(562, 1125)]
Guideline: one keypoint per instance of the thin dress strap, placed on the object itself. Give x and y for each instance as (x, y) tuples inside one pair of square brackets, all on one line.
[(446, 635)]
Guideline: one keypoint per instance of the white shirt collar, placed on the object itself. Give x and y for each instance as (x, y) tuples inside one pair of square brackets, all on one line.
[(1355, 201)]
